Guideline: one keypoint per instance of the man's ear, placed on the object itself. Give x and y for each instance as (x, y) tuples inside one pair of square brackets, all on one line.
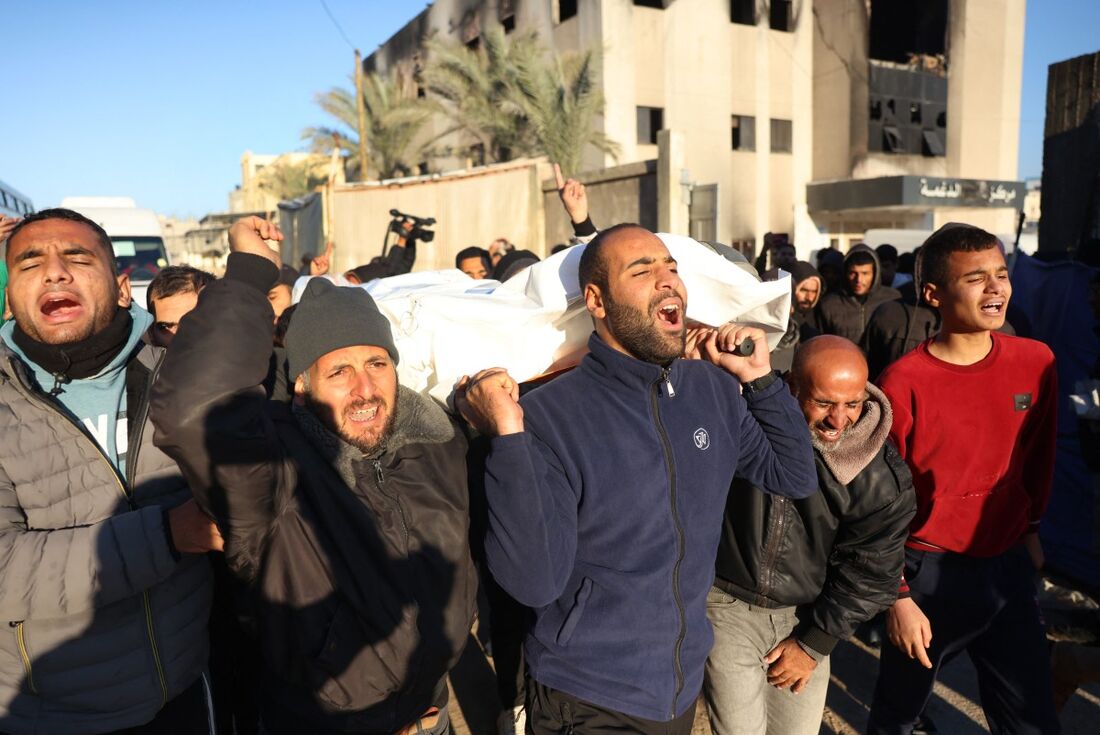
[(124, 296), (593, 301), (300, 390), (928, 290)]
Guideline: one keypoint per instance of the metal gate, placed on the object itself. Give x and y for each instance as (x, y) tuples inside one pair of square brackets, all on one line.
[(703, 212)]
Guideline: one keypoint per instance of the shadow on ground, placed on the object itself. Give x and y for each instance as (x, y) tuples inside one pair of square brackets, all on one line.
[(954, 706)]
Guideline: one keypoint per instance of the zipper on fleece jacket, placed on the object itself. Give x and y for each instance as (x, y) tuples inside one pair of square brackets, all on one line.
[(22, 643), (131, 462), (680, 550)]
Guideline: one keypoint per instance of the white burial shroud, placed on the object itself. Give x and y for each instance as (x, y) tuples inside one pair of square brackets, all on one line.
[(446, 326)]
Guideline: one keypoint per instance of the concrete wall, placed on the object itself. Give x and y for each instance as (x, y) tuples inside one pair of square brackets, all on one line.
[(626, 193), (471, 208), (985, 70)]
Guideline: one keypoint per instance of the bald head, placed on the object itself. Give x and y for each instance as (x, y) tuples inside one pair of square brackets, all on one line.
[(827, 355), (829, 379)]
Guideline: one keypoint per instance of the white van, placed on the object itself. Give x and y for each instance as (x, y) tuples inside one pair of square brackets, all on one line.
[(135, 234)]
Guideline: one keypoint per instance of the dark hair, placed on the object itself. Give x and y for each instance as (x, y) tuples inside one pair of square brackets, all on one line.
[(473, 252), (558, 248), (906, 262), (860, 257), (282, 324), (512, 263), (593, 265), (953, 237), (887, 253), (176, 279), (67, 214)]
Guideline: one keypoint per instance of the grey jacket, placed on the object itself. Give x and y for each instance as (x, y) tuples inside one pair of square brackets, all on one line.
[(99, 624)]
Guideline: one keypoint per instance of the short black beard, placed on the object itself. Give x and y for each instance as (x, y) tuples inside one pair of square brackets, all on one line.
[(328, 418), (635, 331)]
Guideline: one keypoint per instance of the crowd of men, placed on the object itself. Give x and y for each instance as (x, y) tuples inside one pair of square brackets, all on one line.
[(227, 513)]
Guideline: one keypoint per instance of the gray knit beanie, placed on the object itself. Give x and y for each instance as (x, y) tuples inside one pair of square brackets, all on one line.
[(330, 318)]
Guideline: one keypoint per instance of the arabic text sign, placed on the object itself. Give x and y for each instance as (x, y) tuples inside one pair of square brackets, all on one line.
[(969, 192)]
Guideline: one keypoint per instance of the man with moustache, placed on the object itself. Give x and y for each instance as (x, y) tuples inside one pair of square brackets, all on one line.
[(606, 489), (103, 582), (346, 512), (793, 577)]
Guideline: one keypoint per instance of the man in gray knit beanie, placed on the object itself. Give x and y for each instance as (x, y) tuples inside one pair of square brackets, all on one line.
[(346, 514), (342, 358)]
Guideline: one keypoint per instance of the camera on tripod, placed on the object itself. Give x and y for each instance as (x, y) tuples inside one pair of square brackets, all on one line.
[(420, 225)]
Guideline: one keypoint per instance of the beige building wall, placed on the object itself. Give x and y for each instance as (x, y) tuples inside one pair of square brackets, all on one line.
[(691, 60), (986, 49), (472, 208)]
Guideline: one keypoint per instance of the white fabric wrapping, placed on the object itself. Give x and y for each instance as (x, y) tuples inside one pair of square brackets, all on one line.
[(446, 326)]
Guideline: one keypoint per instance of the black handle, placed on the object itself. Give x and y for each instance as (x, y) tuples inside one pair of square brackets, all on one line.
[(746, 348)]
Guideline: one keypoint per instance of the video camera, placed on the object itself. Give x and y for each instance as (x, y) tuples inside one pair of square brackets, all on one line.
[(419, 229)]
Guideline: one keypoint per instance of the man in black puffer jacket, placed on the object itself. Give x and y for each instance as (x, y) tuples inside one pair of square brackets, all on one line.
[(794, 576), (846, 312), (346, 513)]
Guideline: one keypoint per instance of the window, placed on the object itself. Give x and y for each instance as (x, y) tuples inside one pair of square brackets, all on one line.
[(743, 132), (566, 10), (650, 3), (781, 136), (650, 120), (743, 12), (891, 139), (506, 13), (779, 15)]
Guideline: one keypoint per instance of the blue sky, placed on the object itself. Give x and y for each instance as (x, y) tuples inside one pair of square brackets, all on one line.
[(158, 100)]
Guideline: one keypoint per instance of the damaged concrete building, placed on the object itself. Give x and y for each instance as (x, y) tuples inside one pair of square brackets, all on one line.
[(820, 118)]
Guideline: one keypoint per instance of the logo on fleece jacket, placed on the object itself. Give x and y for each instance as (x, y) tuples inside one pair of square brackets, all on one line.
[(702, 439)]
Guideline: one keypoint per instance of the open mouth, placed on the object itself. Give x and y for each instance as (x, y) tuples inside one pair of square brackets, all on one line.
[(828, 433), (670, 314), (363, 414), (993, 308), (59, 307)]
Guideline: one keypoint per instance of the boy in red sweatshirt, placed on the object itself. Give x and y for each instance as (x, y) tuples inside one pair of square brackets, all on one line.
[(974, 417)]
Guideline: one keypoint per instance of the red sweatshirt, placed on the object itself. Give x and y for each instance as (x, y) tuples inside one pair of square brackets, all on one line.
[(980, 441)]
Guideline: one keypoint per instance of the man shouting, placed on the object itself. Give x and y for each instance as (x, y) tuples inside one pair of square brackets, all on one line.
[(606, 489)]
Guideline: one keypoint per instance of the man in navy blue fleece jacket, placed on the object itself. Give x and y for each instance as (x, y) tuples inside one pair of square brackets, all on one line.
[(606, 491)]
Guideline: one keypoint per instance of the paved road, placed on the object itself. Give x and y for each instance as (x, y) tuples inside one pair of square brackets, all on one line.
[(953, 708)]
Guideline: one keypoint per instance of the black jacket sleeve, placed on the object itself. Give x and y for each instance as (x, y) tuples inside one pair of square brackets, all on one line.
[(868, 553), (209, 409)]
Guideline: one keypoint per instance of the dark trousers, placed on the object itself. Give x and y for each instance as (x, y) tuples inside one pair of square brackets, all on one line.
[(187, 714), (986, 607), (508, 623), (550, 712)]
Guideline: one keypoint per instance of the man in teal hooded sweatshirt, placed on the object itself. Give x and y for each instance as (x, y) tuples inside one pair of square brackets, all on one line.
[(103, 578)]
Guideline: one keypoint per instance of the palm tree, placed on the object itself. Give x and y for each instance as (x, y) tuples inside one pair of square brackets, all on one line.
[(477, 94), (394, 122), (288, 180), (562, 100), (514, 98)]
